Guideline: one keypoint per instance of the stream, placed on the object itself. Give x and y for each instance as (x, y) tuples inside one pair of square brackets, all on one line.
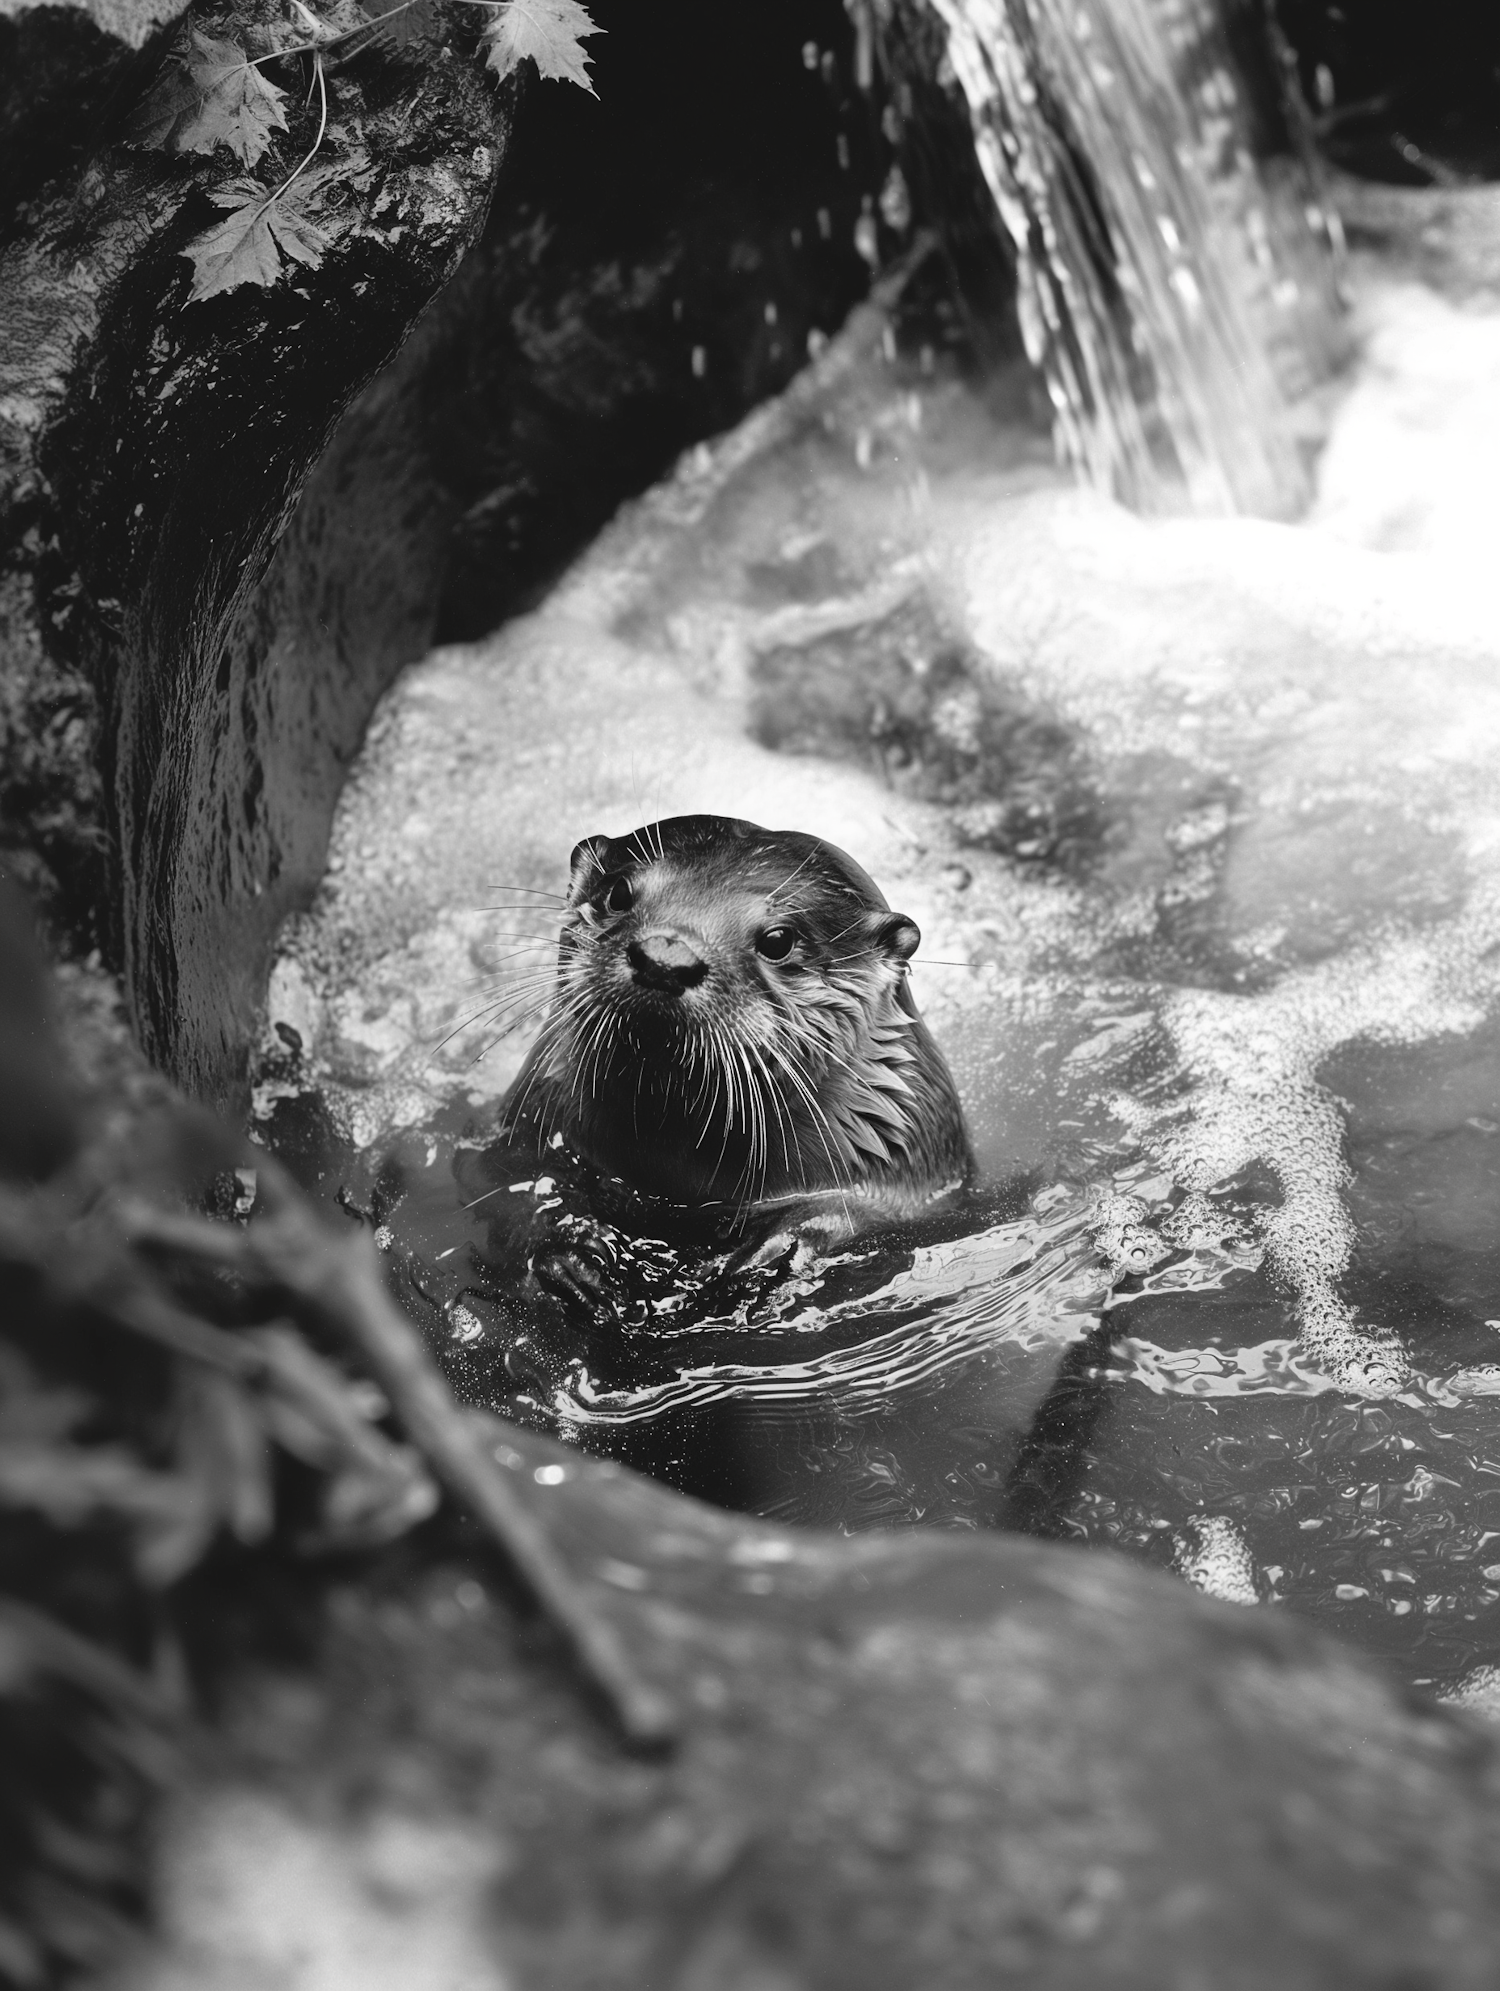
[(1200, 820)]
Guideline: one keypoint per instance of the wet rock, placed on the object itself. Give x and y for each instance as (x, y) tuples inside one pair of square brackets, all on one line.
[(1478, 1692), (896, 692), (945, 1761), (65, 67), (148, 457), (650, 272)]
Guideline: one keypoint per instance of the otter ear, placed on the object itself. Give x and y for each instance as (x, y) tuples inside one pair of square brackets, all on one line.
[(585, 867), (898, 936)]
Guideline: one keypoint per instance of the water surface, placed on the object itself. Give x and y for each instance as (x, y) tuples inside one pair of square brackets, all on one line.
[(1201, 822)]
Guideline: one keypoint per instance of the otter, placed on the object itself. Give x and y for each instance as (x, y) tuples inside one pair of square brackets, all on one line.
[(732, 1029)]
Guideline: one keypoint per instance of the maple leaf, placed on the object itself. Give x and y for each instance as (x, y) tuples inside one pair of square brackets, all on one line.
[(260, 232), (399, 30), (208, 95), (550, 33)]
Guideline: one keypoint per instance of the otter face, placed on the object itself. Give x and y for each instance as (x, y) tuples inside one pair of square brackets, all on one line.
[(715, 982), (705, 916)]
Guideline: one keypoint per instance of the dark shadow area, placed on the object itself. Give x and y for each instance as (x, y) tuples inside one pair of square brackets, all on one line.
[(659, 258), (64, 78), (1404, 91)]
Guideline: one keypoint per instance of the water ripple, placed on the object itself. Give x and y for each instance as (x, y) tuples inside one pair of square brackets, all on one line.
[(1031, 1284)]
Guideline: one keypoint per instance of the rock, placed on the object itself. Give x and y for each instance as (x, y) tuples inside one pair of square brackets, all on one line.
[(65, 66), (931, 1760), (150, 453)]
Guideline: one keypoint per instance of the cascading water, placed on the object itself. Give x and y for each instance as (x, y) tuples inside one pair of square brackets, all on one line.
[(1174, 288)]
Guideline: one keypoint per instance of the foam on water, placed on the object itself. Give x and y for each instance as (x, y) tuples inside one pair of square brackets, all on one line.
[(1212, 1554), (1252, 1062)]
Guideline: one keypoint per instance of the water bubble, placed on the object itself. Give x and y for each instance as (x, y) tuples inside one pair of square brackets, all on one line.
[(1210, 1552)]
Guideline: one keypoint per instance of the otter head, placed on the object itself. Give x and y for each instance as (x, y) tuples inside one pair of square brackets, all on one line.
[(731, 1011)]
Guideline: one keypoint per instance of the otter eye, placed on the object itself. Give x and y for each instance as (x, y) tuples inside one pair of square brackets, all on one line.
[(620, 897), (776, 942)]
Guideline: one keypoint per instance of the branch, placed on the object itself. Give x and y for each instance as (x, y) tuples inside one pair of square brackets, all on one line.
[(338, 1282)]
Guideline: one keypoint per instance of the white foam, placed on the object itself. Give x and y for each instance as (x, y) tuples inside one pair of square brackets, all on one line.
[(1211, 1553)]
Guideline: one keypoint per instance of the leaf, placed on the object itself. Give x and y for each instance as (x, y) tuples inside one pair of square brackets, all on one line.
[(310, 24), (345, 20), (208, 95), (258, 233), (171, 97), (550, 33), (237, 107)]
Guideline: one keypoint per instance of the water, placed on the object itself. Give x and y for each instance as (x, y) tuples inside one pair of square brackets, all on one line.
[(1201, 823)]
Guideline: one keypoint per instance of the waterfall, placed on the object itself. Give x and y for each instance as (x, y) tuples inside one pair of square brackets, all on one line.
[(1176, 268)]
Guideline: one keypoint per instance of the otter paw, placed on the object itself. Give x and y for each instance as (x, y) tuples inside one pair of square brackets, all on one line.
[(787, 1253), (585, 1282)]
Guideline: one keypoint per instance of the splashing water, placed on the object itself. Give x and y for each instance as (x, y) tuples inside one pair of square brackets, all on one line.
[(1201, 824)]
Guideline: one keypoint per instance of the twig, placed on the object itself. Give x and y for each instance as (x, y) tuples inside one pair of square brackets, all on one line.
[(338, 1279), (174, 1328), (303, 164), (85, 1263), (78, 1659), (688, 494), (328, 42)]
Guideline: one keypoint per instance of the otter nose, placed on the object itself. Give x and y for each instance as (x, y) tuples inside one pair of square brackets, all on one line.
[(663, 960)]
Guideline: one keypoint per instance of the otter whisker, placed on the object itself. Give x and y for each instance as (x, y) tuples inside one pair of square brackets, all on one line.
[(712, 1085), (821, 1123), (700, 1063), (731, 1097), (858, 920), (479, 1016), (640, 1075), (590, 1052), (500, 984), (513, 971), (538, 985), (515, 1023), (777, 890), (520, 1094), (731, 1094), (541, 977), (473, 1016), (774, 1090), (756, 1159), (751, 1122), (769, 1089), (740, 1068)]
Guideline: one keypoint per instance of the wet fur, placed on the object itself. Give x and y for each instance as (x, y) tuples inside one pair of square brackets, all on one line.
[(810, 1084)]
